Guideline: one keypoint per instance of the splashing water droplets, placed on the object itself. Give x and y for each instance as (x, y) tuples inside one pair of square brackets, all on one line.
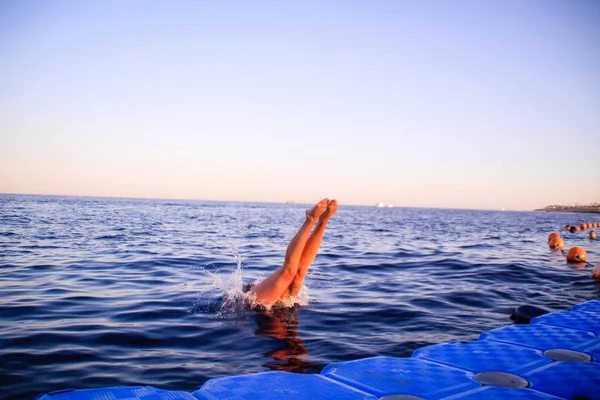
[(230, 286), (232, 298)]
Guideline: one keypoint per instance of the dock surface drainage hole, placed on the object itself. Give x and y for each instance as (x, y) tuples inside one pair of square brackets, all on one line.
[(567, 355), (501, 379)]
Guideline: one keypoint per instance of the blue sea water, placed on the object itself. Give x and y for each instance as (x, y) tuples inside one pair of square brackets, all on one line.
[(107, 292)]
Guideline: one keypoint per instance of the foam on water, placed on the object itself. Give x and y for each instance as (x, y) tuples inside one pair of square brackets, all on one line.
[(230, 286), (232, 298)]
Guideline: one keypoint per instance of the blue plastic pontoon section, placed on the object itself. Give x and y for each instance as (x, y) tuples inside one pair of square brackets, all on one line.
[(590, 306), (543, 337), (444, 371), (120, 393), (500, 393), (277, 385), (594, 352), (567, 380), (586, 321), (384, 376), (482, 356)]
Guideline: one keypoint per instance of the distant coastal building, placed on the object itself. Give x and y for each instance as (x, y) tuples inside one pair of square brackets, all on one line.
[(577, 208)]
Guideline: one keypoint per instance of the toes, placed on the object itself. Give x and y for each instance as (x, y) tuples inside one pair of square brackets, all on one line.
[(332, 207), (321, 206), (333, 204), (318, 209)]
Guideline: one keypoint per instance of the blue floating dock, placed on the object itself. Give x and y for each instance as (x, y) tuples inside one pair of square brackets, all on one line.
[(277, 385), (557, 356), (543, 337), (121, 393), (484, 355), (567, 380), (500, 393), (583, 320), (590, 306), (386, 376)]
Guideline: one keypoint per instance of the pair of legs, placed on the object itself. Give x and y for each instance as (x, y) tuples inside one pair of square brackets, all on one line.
[(302, 250)]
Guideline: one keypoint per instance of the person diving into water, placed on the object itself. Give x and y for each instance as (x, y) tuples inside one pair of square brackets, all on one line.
[(287, 281)]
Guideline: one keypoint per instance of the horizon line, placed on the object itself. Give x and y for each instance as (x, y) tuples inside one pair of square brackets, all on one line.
[(250, 201)]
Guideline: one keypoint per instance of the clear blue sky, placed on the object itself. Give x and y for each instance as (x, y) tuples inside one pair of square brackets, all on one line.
[(471, 104)]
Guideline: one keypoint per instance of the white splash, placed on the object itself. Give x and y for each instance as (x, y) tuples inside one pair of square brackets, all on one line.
[(231, 288)]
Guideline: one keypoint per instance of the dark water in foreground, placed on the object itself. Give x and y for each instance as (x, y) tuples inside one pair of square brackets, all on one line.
[(105, 292)]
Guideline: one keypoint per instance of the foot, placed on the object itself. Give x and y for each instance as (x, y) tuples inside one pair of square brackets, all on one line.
[(331, 208), (317, 210)]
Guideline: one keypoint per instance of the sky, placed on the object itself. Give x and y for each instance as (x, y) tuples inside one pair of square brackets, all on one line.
[(455, 104)]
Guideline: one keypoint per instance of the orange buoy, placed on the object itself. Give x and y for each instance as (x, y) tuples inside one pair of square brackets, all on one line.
[(568, 227), (576, 254), (592, 235), (556, 243), (577, 229), (553, 235), (583, 226)]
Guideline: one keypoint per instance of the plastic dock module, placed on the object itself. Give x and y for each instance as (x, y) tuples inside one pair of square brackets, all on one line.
[(500, 393), (543, 337), (590, 306), (567, 380), (120, 393), (385, 376), (585, 321), (557, 356), (594, 352), (278, 385), (484, 356)]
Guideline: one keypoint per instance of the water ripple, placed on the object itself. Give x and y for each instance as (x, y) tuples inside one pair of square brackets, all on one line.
[(106, 292)]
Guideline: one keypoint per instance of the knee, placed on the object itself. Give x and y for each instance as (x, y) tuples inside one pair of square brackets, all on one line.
[(289, 270)]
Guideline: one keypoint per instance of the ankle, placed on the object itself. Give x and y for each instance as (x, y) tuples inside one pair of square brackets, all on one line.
[(310, 219), (324, 219)]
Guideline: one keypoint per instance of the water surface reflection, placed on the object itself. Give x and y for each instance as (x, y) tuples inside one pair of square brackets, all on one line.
[(282, 324)]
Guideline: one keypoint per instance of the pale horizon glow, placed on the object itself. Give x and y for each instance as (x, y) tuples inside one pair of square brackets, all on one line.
[(463, 104)]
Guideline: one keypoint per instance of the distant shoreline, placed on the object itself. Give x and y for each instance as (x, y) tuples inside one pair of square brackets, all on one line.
[(591, 209)]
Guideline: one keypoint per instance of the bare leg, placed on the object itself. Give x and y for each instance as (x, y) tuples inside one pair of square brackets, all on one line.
[(271, 289), (310, 250)]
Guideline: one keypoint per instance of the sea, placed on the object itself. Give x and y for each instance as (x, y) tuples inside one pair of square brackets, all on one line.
[(99, 292)]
